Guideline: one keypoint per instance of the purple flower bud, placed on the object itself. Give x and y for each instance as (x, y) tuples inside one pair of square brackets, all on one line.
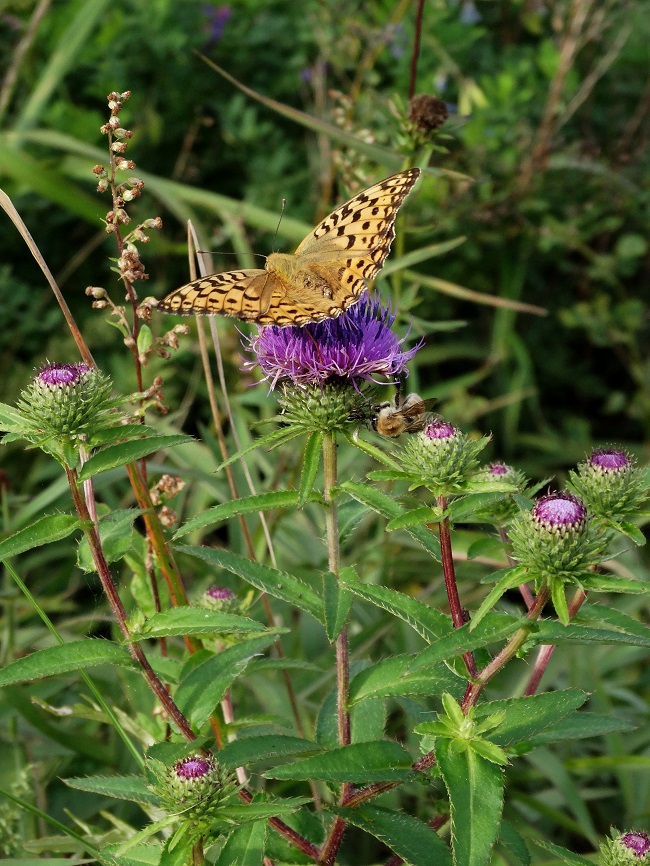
[(637, 841), (57, 375), (439, 429), (498, 469), (193, 767), (219, 593), (562, 511), (609, 460)]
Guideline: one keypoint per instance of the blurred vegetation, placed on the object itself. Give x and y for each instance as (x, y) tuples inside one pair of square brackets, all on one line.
[(543, 168)]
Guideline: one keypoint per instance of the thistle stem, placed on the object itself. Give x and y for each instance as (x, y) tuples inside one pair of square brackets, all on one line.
[(458, 616), (119, 611)]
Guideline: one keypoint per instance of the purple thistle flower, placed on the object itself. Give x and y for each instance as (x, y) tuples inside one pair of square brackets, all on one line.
[(56, 375), (559, 511), (609, 460), (498, 469), (357, 345), (219, 593), (439, 429), (637, 841), (193, 767)]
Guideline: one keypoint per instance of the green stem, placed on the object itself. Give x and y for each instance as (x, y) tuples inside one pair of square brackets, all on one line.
[(335, 835)]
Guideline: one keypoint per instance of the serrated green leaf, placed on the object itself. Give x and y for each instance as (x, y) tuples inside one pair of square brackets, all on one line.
[(271, 440), (475, 788), (463, 509), (412, 840), (244, 846), (132, 788), (511, 839), (237, 507), (577, 726), (494, 628), (263, 748), (377, 761), (310, 464), (262, 810), (337, 601), (391, 677), (11, 421), (116, 533), (277, 583), (526, 716), (390, 509), (62, 659), (633, 532), (127, 452), (427, 621), (602, 583), (549, 632), (195, 620), (563, 854), (48, 529), (415, 517), (202, 688), (512, 577)]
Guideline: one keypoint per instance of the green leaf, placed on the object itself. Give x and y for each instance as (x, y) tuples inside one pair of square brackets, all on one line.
[(262, 808), (563, 854), (277, 583), (463, 509), (244, 846), (195, 620), (131, 788), (427, 621), (549, 632), (475, 788), (145, 339), (495, 627), (392, 677), (201, 690), (127, 452), (236, 507), (390, 509), (311, 462), (577, 726), (336, 601), (558, 595), (11, 421), (44, 531), (633, 532), (526, 716), (116, 533), (271, 440), (372, 451), (413, 841), (514, 842), (377, 761), (263, 748), (415, 517), (62, 659), (511, 577), (603, 583)]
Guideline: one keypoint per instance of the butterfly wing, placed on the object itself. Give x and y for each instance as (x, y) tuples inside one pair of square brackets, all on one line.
[(358, 234), (244, 294)]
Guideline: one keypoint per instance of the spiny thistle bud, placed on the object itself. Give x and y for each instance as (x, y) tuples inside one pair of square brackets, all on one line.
[(219, 598), (610, 483), (194, 787), (66, 402), (441, 457), (556, 538), (495, 476), (324, 407), (626, 849)]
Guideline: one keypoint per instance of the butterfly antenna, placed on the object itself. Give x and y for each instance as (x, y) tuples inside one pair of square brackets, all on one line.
[(277, 229)]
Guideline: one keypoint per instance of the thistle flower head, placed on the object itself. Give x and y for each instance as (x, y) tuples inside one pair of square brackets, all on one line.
[(65, 403), (498, 477), (356, 346), (626, 849), (219, 598), (556, 539), (441, 457), (610, 483), (193, 787)]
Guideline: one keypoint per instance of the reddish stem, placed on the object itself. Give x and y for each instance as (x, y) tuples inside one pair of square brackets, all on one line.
[(416, 48)]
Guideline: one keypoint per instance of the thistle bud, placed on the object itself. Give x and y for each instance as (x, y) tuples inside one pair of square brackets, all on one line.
[(219, 598), (495, 476), (610, 483), (626, 849), (556, 538), (65, 402), (441, 457), (194, 787)]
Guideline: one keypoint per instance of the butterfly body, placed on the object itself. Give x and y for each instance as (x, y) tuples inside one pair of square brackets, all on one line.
[(325, 276)]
